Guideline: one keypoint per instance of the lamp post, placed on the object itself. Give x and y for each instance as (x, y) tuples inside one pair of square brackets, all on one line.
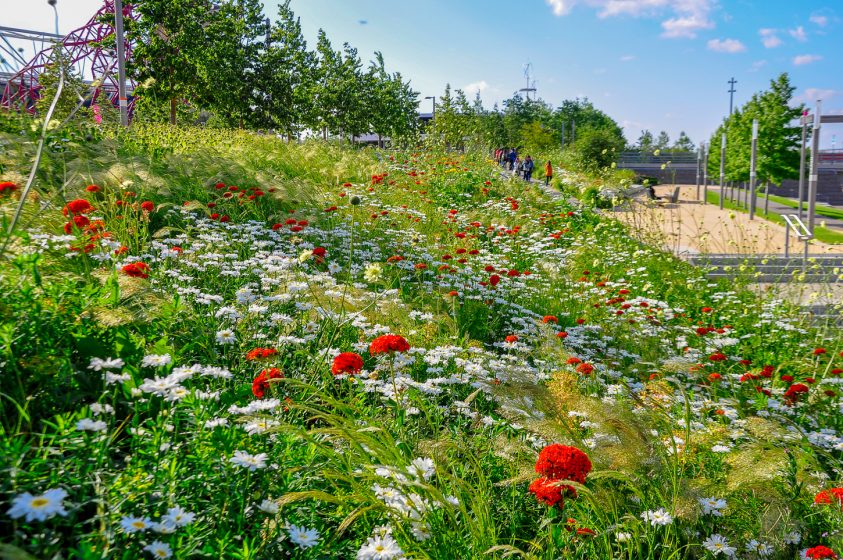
[(121, 63), (432, 98), (53, 4)]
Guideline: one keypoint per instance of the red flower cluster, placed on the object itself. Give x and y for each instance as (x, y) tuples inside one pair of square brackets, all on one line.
[(820, 552), (563, 462), (547, 492), (76, 207), (260, 384), (794, 391), (136, 270), (261, 353), (827, 497), (556, 463), (347, 362), (388, 343), (7, 187)]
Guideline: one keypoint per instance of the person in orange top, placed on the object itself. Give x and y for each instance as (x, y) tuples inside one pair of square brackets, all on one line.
[(548, 173)]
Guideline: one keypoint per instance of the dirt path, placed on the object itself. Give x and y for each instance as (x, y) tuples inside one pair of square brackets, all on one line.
[(693, 227)]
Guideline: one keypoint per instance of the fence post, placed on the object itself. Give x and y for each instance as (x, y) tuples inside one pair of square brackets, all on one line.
[(706, 150), (802, 151), (699, 171)]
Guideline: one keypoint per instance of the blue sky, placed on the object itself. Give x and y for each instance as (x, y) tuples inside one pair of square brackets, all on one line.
[(655, 64)]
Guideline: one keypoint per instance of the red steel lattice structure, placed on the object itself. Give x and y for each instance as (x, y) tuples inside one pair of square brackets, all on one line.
[(86, 47)]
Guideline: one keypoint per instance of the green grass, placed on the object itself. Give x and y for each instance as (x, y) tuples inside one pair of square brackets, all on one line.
[(827, 211), (823, 234)]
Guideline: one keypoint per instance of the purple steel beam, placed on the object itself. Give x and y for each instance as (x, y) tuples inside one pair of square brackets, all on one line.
[(82, 44)]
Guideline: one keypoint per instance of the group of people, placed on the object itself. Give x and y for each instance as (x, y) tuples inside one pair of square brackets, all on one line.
[(508, 158)]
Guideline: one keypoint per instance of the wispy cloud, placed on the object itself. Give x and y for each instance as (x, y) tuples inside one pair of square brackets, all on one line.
[(758, 65), (726, 46), (804, 59), (476, 87), (687, 17), (799, 34), (627, 58), (769, 38), (818, 19)]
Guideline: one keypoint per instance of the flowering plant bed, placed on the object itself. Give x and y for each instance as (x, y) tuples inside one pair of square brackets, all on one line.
[(220, 345)]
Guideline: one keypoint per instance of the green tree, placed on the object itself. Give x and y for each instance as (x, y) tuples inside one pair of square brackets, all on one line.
[(645, 142), (287, 72), (663, 141), (170, 45), (683, 143)]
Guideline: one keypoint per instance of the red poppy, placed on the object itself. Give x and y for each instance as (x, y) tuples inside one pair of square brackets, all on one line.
[(136, 270), (260, 353), (388, 343), (547, 492), (562, 462), (562, 334), (717, 357), (511, 339), (550, 319), (820, 552), (260, 384), (147, 205), (494, 280), (78, 206), (347, 362), (585, 368), (93, 188), (7, 186)]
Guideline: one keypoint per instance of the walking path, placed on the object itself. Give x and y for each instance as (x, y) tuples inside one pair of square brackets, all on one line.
[(693, 227)]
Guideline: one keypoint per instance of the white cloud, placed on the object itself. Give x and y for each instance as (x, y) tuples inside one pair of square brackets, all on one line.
[(726, 46), (685, 27), (799, 34), (769, 38), (560, 7), (822, 21), (476, 87), (627, 58), (687, 16), (804, 59)]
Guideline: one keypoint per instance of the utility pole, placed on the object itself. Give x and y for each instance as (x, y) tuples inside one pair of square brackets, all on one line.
[(752, 163), (121, 63), (732, 91), (815, 157)]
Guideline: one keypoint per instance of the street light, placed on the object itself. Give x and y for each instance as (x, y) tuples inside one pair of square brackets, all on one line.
[(432, 98), (53, 4)]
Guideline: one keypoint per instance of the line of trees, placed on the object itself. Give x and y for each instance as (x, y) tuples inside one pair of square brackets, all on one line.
[(778, 136), (648, 143), (221, 58), (531, 124)]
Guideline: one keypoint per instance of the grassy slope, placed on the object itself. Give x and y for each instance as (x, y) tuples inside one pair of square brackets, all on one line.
[(478, 406)]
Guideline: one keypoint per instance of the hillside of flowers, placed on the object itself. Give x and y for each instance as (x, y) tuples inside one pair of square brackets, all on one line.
[(221, 345)]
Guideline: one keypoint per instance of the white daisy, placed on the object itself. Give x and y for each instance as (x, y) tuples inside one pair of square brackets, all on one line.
[(38, 508)]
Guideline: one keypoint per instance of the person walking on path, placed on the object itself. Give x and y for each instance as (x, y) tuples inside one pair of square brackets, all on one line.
[(548, 173), (512, 156), (529, 165)]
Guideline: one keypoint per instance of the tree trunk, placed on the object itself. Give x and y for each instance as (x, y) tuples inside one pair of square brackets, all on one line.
[(172, 110)]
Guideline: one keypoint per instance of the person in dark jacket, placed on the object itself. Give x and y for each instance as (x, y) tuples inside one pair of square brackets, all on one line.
[(529, 165), (512, 155)]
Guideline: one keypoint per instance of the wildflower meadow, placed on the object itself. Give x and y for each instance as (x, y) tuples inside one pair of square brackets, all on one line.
[(217, 344)]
